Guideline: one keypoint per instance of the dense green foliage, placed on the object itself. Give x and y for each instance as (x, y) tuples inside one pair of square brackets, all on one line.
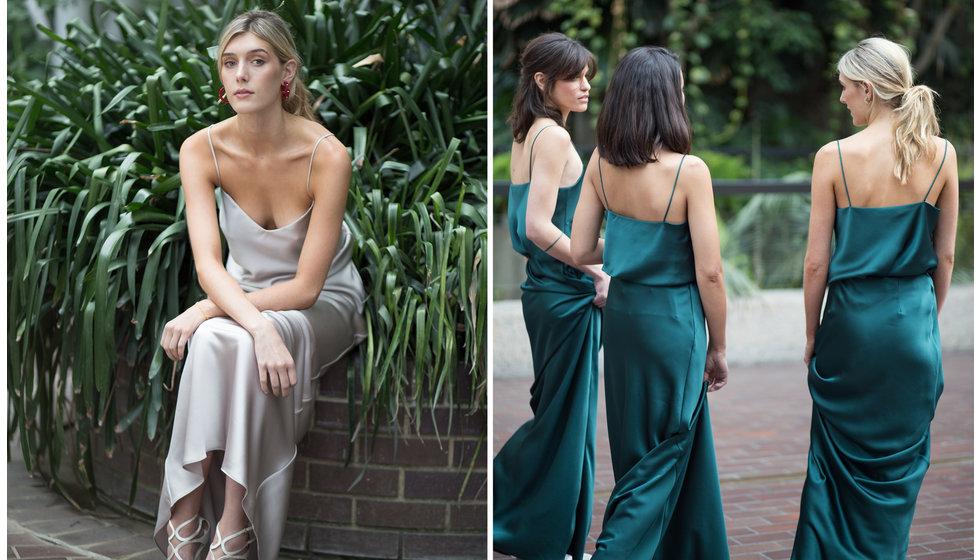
[(98, 258), (757, 71), (761, 91)]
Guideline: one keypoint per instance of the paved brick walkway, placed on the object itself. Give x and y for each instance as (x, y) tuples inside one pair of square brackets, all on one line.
[(761, 424), (42, 525)]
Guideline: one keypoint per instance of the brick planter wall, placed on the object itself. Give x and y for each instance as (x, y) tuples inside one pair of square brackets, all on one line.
[(406, 505)]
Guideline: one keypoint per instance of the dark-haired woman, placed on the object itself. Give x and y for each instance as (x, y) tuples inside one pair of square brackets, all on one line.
[(543, 476), (662, 253), (889, 197), (286, 304)]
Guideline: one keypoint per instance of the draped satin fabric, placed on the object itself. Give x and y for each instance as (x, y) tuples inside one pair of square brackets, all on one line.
[(667, 500), (221, 407), (875, 378), (543, 476)]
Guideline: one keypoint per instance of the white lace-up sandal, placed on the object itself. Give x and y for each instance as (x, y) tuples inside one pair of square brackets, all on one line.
[(239, 554), (199, 537)]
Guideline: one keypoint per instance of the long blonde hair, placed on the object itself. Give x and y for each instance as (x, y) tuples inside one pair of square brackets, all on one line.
[(885, 65), (273, 30)]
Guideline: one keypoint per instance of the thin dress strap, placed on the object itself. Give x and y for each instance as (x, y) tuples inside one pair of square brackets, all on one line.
[(675, 187), (214, 157), (841, 159), (531, 151), (310, 172), (945, 149), (599, 163)]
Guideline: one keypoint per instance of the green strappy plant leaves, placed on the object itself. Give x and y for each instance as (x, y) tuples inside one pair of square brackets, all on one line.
[(98, 258)]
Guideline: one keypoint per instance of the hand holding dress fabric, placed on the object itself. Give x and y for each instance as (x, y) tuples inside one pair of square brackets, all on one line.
[(601, 289)]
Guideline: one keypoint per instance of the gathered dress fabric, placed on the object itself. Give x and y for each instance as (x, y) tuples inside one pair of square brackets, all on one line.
[(220, 405), (875, 379), (543, 475), (666, 503)]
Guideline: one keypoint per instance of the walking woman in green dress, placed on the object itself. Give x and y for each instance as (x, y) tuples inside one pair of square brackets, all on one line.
[(662, 252), (543, 475), (888, 194)]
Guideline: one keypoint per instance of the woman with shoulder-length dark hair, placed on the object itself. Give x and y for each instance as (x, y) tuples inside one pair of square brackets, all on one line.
[(287, 303), (889, 197), (543, 475), (662, 253)]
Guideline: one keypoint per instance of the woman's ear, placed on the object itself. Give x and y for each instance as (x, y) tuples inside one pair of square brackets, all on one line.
[(289, 70), (540, 80)]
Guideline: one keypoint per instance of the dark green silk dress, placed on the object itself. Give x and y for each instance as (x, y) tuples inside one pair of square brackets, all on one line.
[(543, 476), (666, 504), (875, 378)]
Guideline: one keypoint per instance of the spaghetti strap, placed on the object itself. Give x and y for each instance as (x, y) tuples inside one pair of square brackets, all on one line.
[(531, 151), (599, 164), (841, 159), (945, 149), (310, 172), (674, 187), (214, 157)]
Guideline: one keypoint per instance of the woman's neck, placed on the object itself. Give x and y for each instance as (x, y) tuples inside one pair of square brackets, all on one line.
[(263, 133), (884, 120)]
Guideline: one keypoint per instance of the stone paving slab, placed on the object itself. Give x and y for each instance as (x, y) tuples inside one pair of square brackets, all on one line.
[(760, 423)]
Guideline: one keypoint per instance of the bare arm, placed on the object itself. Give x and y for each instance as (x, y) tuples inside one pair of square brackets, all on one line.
[(585, 245), (707, 263), (329, 187), (547, 164), (944, 238), (823, 209)]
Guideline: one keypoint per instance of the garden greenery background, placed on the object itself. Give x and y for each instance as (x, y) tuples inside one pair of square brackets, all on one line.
[(762, 94), (98, 258)]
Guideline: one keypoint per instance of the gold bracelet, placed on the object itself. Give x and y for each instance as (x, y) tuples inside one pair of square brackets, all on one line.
[(201, 309)]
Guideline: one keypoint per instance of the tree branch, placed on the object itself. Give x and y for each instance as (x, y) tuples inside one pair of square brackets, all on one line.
[(928, 54)]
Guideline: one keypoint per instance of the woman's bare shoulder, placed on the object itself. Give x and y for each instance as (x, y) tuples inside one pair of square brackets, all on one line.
[(692, 171), (196, 143), (943, 146)]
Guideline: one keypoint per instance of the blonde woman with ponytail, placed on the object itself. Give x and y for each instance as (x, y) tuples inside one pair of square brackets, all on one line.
[(888, 195), (286, 304)]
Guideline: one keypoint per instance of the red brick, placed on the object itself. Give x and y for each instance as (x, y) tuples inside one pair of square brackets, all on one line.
[(332, 415), (360, 543), (407, 450), (468, 517), (463, 453), (324, 445), (429, 546), (373, 481), (446, 485), (294, 537), (405, 515), (463, 422), (320, 507), (300, 479)]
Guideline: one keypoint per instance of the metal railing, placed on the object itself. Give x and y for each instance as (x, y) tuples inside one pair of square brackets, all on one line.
[(742, 186)]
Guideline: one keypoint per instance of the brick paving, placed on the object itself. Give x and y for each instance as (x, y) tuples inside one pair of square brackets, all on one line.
[(761, 425), (41, 525)]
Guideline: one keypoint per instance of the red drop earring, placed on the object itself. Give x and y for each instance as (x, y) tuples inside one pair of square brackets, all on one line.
[(221, 96), (284, 90)]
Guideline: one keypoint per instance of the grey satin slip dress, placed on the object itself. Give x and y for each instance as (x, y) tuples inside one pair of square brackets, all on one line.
[(220, 405)]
